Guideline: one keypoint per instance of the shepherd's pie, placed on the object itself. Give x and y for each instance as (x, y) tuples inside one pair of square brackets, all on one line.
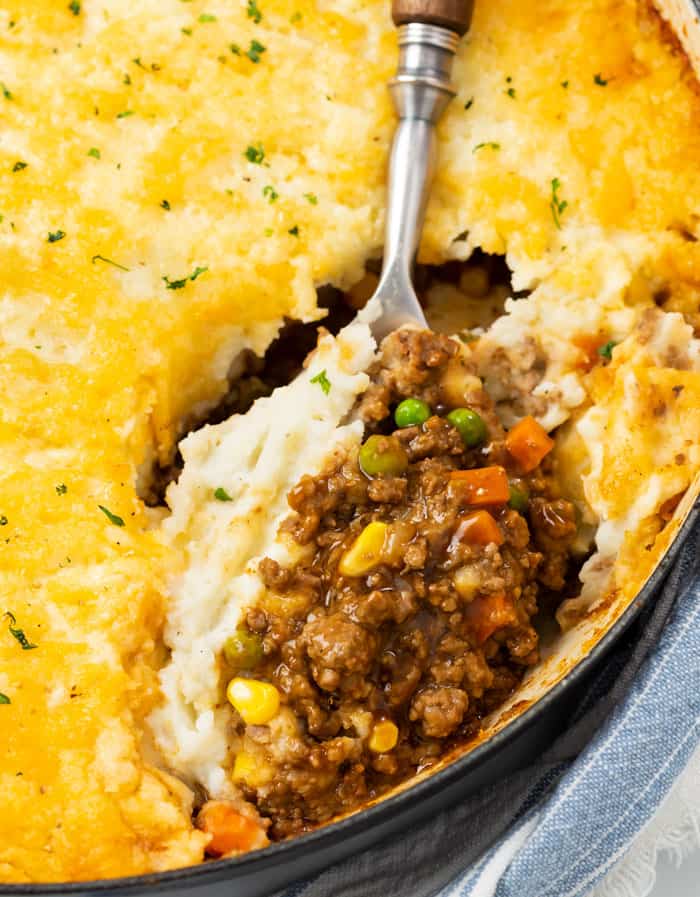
[(176, 179)]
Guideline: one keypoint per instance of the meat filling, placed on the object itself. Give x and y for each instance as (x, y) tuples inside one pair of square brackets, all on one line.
[(410, 618)]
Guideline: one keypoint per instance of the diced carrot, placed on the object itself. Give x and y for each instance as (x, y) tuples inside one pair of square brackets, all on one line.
[(478, 528), (231, 831), (528, 443), (487, 613), (482, 485)]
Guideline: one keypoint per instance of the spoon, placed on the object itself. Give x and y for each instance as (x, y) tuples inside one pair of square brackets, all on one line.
[(429, 33)]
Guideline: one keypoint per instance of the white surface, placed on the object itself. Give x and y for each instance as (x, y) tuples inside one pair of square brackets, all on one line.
[(678, 881)]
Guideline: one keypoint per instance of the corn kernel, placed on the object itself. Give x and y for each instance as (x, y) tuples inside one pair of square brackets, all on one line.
[(244, 767), (467, 581), (250, 769), (257, 702), (365, 553), (384, 737)]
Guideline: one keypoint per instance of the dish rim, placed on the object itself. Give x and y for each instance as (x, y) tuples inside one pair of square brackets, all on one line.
[(214, 871)]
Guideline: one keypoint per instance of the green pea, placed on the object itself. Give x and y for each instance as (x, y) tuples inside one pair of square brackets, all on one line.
[(382, 455), (243, 650), (471, 426), (519, 498), (411, 413)]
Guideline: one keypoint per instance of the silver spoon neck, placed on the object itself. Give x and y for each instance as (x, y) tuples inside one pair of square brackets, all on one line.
[(421, 91), (422, 87)]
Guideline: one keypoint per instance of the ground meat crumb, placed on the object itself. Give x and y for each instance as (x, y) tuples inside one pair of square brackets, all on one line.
[(336, 645), (435, 436), (439, 710), (554, 529), (388, 490)]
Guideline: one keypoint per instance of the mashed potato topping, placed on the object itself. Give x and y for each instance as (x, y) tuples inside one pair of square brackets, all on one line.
[(175, 180), (637, 450), (226, 510)]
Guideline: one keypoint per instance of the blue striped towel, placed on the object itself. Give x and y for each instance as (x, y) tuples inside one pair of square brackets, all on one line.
[(554, 829)]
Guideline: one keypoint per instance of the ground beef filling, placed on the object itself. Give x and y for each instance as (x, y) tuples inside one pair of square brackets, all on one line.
[(381, 671)]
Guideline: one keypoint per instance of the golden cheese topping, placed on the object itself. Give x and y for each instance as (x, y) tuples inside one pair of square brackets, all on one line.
[(573, 127), (175, 178)]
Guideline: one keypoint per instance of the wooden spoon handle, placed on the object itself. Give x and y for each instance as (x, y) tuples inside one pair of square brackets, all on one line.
[(453, 14)]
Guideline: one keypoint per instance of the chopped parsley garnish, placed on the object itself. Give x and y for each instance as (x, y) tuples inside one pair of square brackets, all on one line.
[(221, 494), (187, 31), (5, 92), (164, 204), (174, 284), (18, 633), (294, 231), (137, 61), (564, 84), (235, 49), (3, 520), (255, 51), (511, 92), (255, 154), (558, 206), (94, 152), (605, 351), (600, 80), (113, 518), (61, 489), (19, 166), (268, 231), (4, 699), (270, 193), (127, 79), (74, 7), (322, 379), (467, 337), (102, 258), (206, 17), (179, 284), (253, 11), (55, 236), (469, 103), (312, 198), (296, 18), (489, 145), (125, 114)]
